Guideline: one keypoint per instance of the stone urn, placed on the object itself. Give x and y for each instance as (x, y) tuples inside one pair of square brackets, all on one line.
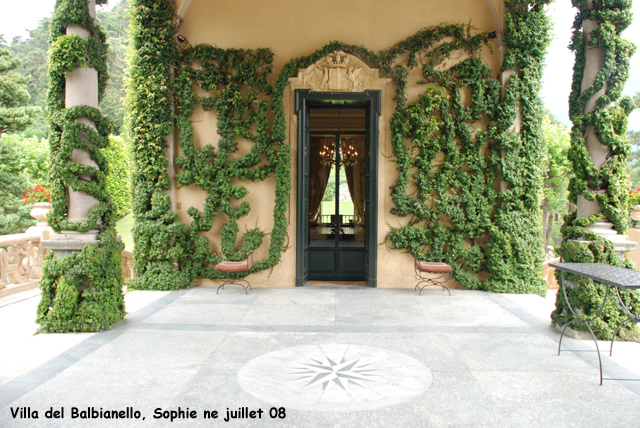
[(39, 212), (635, 215)]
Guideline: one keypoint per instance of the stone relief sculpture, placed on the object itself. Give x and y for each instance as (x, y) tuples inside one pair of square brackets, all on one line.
[(334, 74)]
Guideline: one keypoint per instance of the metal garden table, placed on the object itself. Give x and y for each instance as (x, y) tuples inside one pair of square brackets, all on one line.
[(609, 276)]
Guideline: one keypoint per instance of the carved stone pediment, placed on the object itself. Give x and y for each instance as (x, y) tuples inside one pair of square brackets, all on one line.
[(339, 72)]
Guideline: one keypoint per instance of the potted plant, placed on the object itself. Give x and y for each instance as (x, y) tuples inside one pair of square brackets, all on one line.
[(40, 198)]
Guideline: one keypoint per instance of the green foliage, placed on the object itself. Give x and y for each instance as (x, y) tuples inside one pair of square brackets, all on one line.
[(159, 237), (558, 173), (82, 291), (608, 184), (160, 240), (67, 50), (34, 162), (558, 168), (227, 75), (33, 54), (67, 173), (515, 252), (15, 115), (633, 164), (14, 213), (457, 214), (115, 24), (118, 179), (330, 191), (462, 186), (586, 295), (33, 157)]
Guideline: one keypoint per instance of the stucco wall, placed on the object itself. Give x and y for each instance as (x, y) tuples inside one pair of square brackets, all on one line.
[(298, 28)]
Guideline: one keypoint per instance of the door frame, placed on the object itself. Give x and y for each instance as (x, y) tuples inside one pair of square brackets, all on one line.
[(304, 102)]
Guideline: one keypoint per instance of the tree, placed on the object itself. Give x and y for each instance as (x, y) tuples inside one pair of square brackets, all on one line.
[(558, 139), (34, 157), (14, 213), (633, 163), (15, 116), (33, 54), (115, 24), (119, 178)]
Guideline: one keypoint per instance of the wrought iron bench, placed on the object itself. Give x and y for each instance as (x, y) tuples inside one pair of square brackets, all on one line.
[(423, 269), (243, 266)]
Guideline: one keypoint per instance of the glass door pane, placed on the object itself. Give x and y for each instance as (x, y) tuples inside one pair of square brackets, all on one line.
[(322, 191), (351, 207)]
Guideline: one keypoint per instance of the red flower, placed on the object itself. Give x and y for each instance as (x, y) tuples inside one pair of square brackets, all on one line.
[(630, 192), (46, 195)]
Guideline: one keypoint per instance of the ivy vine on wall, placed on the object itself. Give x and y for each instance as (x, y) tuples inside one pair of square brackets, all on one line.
[(82, 291), (451, 147), (237, 80), (608, 184)]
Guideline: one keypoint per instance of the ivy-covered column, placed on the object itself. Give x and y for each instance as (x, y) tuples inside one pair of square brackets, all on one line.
[(514, 258), (82, 276), (595, 232), (159, 238), (596, 72)]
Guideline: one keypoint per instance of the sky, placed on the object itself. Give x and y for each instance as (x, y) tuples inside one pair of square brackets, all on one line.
[(18, 16)]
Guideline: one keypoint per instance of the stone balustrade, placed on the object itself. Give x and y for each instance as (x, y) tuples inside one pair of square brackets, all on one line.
[(21, 255), (21, 258), (127, 264), (21, 261)]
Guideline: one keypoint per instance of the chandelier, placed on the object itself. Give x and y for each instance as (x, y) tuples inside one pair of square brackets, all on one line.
[(347, 154)]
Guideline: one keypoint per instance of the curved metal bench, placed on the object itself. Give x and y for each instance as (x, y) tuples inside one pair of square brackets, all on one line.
[(422, 269), (235, 267)]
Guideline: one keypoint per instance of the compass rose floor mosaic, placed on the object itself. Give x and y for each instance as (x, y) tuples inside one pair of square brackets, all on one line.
[(314, 357), (334, 377)]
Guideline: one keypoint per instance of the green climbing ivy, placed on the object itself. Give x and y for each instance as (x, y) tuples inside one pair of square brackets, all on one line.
[(82, 291), (609, 183), (514, 256), (452, 161), (439, 149), (159, 237), (237, 82), (451, 148)]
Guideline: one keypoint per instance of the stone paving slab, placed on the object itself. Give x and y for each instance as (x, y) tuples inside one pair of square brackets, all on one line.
[(491, 360)]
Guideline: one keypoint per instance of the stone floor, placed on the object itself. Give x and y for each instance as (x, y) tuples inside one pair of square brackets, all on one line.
[(316, 357)]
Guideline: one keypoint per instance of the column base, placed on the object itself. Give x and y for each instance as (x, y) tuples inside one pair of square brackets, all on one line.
[(69, 242)]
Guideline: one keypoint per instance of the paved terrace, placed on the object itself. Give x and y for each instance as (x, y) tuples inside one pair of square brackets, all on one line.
[(330, 356)]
